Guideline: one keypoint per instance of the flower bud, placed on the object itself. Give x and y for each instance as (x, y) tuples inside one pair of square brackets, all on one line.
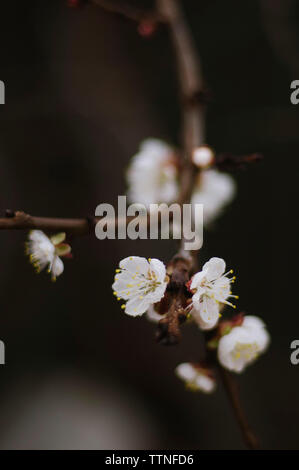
[(203, 156)]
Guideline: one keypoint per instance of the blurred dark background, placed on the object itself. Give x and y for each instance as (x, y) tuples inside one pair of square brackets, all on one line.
[(83, 88)]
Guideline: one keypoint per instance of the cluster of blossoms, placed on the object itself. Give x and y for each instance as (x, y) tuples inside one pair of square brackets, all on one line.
[(142, 284), (153, 178), (45, 252)]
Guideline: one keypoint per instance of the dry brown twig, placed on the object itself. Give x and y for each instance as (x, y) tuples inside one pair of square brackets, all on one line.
[(19, 220)]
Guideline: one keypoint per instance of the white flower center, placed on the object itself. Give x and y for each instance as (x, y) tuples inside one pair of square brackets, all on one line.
[(142, 284), (245, 351), (150, 282), (219, 289)]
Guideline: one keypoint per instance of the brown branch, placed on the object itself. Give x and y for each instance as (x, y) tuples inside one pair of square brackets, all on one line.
[(80, 226), (168, 332), (191, 92), (21, 221), (169, 327), (191, 89), (228, 161), (232, 391)]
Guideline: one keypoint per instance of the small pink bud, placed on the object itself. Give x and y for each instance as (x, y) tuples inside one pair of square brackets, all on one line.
[(147, 28)]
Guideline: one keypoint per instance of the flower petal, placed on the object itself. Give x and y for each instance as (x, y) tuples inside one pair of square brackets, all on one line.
[(159, 268), (222, 288), (204, 325), (197, 279), (214, 268), (37, 236), (134, 264), (136, 307), (215, 190), (209, 310), (57, 267), (258, 329), (205, 384), (186, 372)]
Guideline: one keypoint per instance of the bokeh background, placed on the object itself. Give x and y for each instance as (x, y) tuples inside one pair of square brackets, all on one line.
[(83, 88)]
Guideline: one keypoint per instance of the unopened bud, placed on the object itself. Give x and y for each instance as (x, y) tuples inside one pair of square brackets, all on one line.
[(147, 28), (203, 156)]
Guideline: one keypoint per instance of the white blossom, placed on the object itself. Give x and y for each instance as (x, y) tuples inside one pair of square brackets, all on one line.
[(152, 174), (45, 252), (140, 282), (196, 378), (243, 344), (210, 288), (214, 190)]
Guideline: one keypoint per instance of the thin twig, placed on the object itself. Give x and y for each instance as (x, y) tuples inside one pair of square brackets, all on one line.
[(191, 88), (192, 131), (80, 226), (232, 391), (169, 327), (228, 161)]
